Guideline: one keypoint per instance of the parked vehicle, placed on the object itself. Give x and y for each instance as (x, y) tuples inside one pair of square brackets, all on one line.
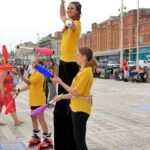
[(131, 64), (144, 63), (113, 64)]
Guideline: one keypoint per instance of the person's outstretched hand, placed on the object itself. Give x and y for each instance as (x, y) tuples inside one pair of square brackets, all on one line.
[(56, 79), (16, 71), (17, 92)]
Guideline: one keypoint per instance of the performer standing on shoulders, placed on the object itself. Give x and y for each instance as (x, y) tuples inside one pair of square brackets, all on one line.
[(68, 68)]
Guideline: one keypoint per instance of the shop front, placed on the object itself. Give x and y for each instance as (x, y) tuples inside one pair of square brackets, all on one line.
[(144, 53)]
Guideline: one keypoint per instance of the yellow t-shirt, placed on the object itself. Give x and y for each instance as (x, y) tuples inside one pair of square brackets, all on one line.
[(82, 84), (36, 93), (69, 43)]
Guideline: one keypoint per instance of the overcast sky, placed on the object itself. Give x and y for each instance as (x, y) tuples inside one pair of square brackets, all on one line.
[(21, 20)]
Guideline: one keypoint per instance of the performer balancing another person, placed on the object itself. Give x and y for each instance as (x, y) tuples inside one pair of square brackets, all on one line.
[(68, 68), (36, 99), (79, 93)]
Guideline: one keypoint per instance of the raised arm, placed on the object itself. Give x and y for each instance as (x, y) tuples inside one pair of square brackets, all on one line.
[(62, 10), (22, 77)]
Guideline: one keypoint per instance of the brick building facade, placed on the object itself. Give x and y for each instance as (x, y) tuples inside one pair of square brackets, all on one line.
[(104, 38)]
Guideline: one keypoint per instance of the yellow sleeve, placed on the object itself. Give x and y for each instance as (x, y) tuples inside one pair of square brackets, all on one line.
[(35, 78), (77, 25), (81, 85)]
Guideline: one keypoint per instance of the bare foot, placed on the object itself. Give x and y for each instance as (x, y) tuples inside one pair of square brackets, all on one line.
[(18, 123), (2, 124)]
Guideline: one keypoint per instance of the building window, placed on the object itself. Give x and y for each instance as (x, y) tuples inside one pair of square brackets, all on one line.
[(141, 39), (148, 37), (142, 29)]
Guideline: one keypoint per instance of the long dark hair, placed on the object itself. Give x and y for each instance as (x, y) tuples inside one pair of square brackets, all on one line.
[(78, 9), (91, 62)]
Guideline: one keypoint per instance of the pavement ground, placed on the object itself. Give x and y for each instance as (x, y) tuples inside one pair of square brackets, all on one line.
[(120, 119)]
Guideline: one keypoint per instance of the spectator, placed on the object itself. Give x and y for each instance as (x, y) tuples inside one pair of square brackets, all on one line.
[(50, 88)]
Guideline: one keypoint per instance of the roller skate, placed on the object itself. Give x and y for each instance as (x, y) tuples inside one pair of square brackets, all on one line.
[(47, 142), (33, 143)]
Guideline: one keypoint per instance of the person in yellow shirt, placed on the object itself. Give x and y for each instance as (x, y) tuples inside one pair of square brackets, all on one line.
[(68, 68), (79, 93), (36, 99)]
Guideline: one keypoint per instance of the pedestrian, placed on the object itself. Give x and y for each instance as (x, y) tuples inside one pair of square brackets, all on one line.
[(37, 99), (68, 68), (7, 91), (30, 70), (125, 70), (15, 79), (79, 93), (22, 69), (50, 88)]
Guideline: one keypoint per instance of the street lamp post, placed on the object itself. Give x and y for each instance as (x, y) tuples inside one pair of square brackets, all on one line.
[(38, 37), (21, 43), (137, 48), (38, 44), (121, 33), (129, 42)]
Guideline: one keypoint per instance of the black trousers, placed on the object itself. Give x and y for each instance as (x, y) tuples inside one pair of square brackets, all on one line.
[(79, 120), (63, 129)]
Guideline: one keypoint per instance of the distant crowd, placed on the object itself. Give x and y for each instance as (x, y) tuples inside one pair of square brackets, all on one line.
[(125, 73)]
